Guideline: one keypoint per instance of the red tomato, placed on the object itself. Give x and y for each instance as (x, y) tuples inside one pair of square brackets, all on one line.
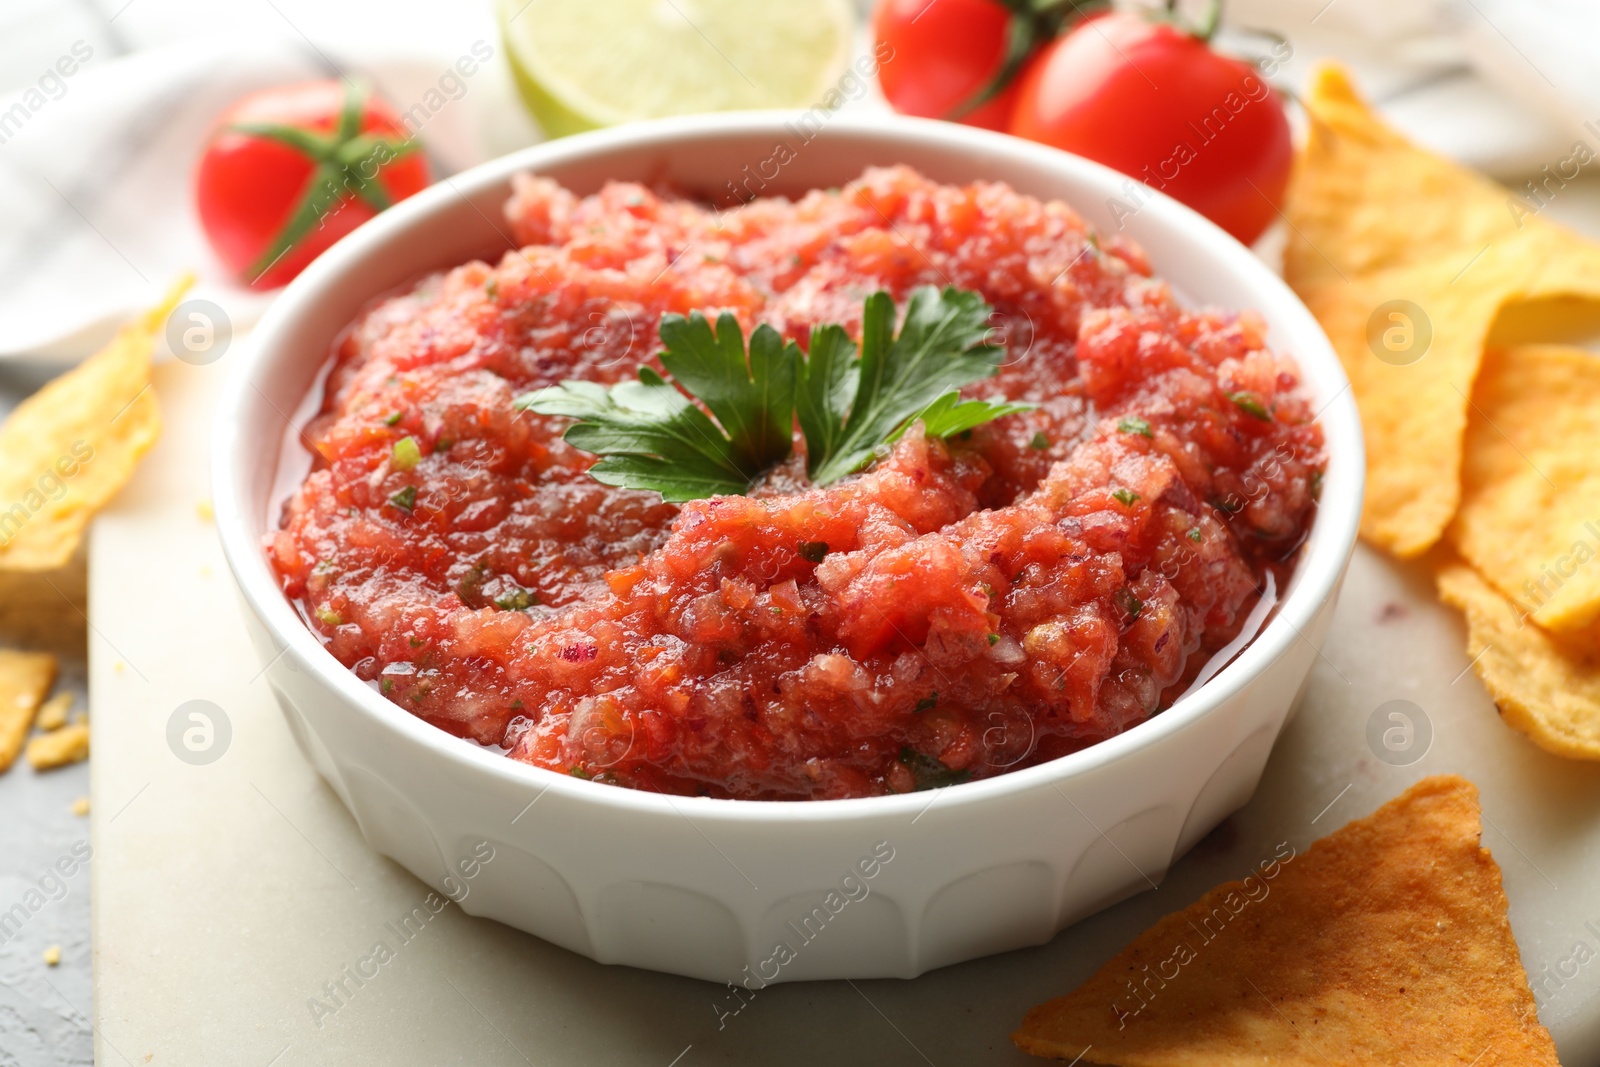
[(290, 170), (944, 52), (1157, 103)]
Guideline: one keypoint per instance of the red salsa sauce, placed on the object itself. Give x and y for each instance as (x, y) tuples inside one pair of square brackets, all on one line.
[(959, 609)]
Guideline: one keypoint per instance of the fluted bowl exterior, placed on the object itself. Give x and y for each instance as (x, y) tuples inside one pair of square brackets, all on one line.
[(753, 891)]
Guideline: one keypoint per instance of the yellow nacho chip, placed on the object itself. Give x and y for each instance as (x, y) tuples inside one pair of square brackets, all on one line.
[(58, 748), (1530, 487), (1545, 686), (1407, 259), (1387, 942), (68, 448), (25, 678), (47, 610)]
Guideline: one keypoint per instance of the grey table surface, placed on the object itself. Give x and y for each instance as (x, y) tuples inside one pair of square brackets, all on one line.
[(44, 1010)]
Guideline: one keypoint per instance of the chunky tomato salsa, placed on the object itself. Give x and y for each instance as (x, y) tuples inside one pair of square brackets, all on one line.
[(960, 608)]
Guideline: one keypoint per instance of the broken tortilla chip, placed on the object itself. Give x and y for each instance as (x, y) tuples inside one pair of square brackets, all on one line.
[(1530, 490), (1407, 260), (25, 679), (1386, 942), (58, 748), (68, 448), (1545, 686), (47, 610)]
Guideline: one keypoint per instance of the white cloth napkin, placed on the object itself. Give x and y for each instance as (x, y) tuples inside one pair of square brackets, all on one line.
[(97, 210), (1501, 85)]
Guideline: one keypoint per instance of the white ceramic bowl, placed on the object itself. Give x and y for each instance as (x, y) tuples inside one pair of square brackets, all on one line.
[(875, 887)]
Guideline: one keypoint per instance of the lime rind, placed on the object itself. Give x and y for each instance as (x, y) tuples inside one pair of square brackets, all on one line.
[(582, 64)]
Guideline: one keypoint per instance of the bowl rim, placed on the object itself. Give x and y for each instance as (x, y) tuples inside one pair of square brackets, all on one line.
[(1315, 580)]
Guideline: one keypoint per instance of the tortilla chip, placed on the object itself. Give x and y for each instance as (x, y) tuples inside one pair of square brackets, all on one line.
[(58, 748), (1375, 220), (47, 610), (1530, 489), (1547, 687), (68, 448), (1385, 943), (25, 678)]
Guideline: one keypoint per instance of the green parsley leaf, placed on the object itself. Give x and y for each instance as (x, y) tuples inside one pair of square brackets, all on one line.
[(754, 402), (940, 348), (929, 773), (827, 390), (1134, 424), (928, 702), (650, 436), (1194, 534), (950, 415), (393, 418), (405, 499), (1251, 405), (1125, 497), (1039, 442)]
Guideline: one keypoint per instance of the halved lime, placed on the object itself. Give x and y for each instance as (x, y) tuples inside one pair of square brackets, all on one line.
[(580, 64)]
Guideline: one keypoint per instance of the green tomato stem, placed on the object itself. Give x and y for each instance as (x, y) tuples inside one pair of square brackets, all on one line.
[(1033, 23)]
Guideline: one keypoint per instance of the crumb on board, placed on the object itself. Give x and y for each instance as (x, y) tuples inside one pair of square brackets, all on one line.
[(58, 748), (80, 806), (52, 955), (53, 714), (205, 511)]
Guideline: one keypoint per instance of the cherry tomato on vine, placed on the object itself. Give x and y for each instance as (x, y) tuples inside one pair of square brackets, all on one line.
[(1147, 98), (290, 170), (946, 53)]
